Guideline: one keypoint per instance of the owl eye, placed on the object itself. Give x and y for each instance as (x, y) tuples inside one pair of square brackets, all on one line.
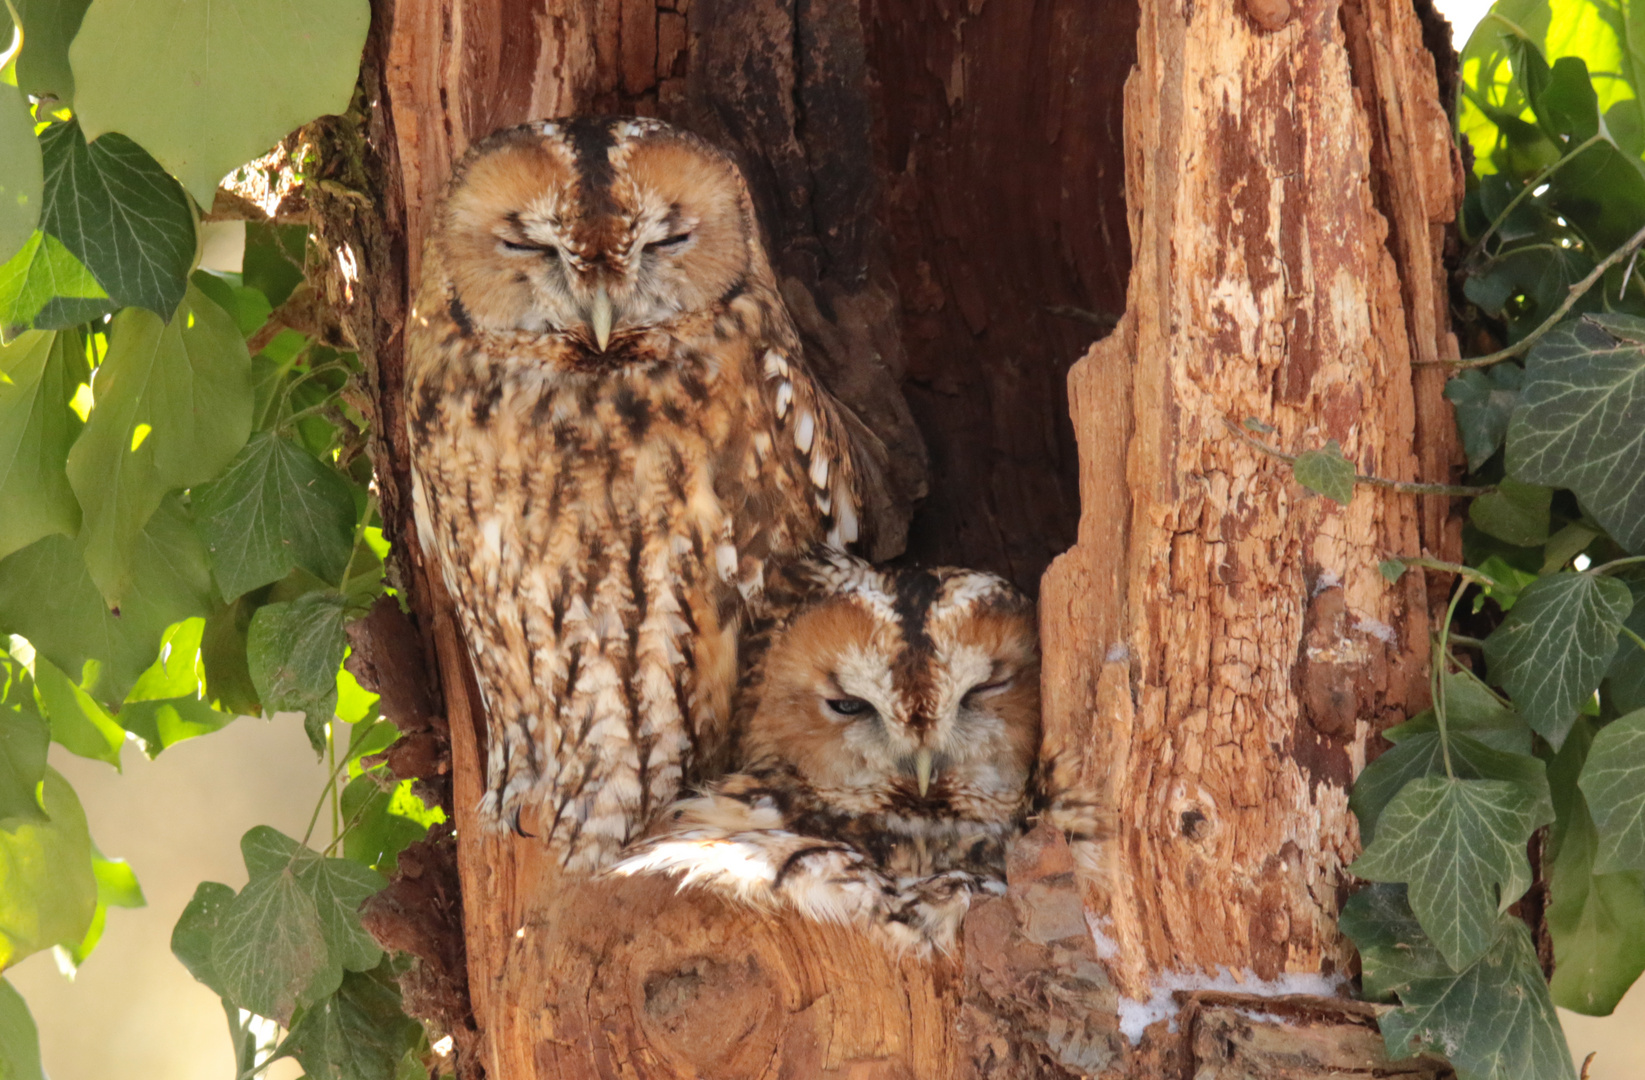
[(850, 706), (985, 688), (668, 242), (540, 249)]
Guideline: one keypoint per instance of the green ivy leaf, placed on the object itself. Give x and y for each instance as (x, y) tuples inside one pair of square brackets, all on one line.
[(1614, 782), (360, 1033), (249, 308), (194, 935), (1516, 513), (173, 408), (78, 722), (294, 650), (208, 87), (1470, 709), (38, 377), (337, 886), (168, 704), (19, 1040), (1484, 400), (1597, 921), (50, 891), (273, 264), (269, 951), (1624, 684), (47, 596), (45, 286), (1578, 426), (1420, 755), (21, 179), (24, 740), (385, 823), (275, 508), (1459, 845), (1568, 105), (223, 658), (1493, 1020), (48, 27), (116, 887), (1554, 646), (120, 214), (1326, 472)]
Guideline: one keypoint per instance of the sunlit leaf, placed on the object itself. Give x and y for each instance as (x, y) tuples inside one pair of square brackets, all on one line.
[(45, 286), (116, 887), (21, 178), (173, 408), (50, 891), (78, 722), (48, 27), (38, 376), (19, 1040), (24, 740), (207, 87)]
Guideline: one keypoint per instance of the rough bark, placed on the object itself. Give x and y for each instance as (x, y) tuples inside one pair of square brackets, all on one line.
[(952, 205)]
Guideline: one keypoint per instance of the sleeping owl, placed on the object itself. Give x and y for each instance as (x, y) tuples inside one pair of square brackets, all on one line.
[(892, 754), (613, 432)]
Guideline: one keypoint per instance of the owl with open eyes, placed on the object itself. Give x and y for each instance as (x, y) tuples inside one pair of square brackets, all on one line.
[(613, 432), (891, 755)]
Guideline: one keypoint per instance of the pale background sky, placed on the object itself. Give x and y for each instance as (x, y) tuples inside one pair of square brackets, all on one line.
[(134, 1012)]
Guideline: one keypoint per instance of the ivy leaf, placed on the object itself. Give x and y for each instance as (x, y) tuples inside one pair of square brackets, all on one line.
[(116, 887), (209, 87), (294, 650), (385, 823), (45, 286), (50, 891), (1613, 781), (168, 703), (1568, 105), (1470, 709), (196, 931), (1326, 472), (1578, 423), (269, 952), (249, 308), (1554, 646), (24, 740), (48, 27), (1459, 845), (1597, 921), (19, 1039), (47, 596), (38, 377), (275, 508), (1422, 754), (223, 658), (1493, 1020), (173, 408), (1514, 512), (1484, 400), (1624, 684), (360, 1033), (120, 214), (21, 178), (337, 886), (78, 723)]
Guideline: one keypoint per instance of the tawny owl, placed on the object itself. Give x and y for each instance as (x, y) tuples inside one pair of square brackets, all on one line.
[(892, 754), (612, 431)]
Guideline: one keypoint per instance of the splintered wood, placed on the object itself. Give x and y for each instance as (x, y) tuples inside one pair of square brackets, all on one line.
[(1221, 638)]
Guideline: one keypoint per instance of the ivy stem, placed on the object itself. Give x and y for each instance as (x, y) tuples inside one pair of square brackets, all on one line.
[(1442, 660), (1473, 574), (1404, 487), (1616, 564), (320, 803), (1530, 186), (1640, 641), (331, 787), (359, 532), (1572, 295)]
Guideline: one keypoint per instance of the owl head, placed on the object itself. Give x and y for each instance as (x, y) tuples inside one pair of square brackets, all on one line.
[(916, 689), (594, 227)]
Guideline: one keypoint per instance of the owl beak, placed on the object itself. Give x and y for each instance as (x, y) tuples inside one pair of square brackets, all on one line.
[(922, 770), (599, 317)]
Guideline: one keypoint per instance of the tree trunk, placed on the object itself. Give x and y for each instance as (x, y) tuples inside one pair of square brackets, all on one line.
[(953, 195)]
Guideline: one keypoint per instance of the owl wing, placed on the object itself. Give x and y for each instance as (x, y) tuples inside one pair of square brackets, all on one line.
[(846, 463), (739, 850)]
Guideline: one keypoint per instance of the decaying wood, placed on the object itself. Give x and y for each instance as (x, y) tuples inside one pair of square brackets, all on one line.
[(941, 187), (1220, 640)]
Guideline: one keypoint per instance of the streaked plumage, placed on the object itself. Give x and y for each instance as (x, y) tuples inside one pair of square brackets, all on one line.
[(891, 755), (613, 432)]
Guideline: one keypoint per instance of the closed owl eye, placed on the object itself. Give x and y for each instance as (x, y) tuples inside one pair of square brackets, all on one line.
[(668, 242), (539, 249), (850, 706), (983, 689)]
